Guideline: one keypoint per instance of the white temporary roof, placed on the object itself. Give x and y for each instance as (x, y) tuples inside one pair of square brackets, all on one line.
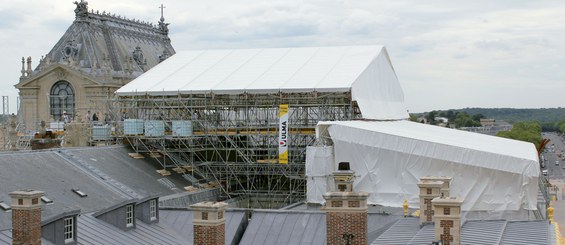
[(491, 173), (366, 71)]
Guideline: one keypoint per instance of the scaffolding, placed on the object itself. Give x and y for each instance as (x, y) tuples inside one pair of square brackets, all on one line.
[(234, 139)]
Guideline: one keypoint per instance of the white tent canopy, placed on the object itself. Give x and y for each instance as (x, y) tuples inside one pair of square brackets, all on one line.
[(365, 71), (493, 174)]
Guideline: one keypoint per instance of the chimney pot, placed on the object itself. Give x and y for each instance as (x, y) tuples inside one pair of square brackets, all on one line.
[(209, 221), (343, 166), (26, 217)]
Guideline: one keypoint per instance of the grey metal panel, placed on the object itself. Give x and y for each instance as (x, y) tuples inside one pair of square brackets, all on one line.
[(265, 227), (49, 172), (180, 221), (6, 237), (285, 227), (289, 220), (314, 222), (94, 231), (475, 232), (298, 229), (321, 231), (378, 223), (526, 232), (400, 233), (137, 174), (426, 235)]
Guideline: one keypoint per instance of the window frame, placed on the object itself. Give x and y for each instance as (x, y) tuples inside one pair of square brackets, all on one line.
[(152, 209), (69, 229), (129, 215)]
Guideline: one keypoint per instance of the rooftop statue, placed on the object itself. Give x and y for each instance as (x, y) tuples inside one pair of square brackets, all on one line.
[(82, 8)]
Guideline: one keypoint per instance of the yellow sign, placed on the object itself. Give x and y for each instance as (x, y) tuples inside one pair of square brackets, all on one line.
[(283, 134)]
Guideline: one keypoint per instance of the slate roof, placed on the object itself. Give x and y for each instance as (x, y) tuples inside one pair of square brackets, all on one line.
[(300, 227), (107, 179), (180, 220), (94, 231), (408, 231)]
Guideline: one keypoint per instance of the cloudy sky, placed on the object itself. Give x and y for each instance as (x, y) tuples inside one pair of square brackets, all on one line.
[(447, 54)]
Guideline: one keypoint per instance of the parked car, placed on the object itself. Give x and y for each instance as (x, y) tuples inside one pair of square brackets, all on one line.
[(557, 163), (544, 172)]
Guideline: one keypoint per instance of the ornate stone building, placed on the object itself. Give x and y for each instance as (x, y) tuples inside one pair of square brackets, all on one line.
[(99, 53)]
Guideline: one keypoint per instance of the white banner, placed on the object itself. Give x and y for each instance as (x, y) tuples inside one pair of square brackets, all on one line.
[(283, 134)]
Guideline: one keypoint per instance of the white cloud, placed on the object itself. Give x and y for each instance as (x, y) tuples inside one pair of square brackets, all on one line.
[(447, 54)]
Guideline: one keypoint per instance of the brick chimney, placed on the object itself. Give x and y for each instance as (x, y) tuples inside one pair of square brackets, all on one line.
[(346, 211), (446, 183), (448, 219), (209, 221), (26, 217), (429, 189)]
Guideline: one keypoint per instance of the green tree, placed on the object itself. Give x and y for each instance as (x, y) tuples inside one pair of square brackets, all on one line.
[(465, 120), (478, 117), (431, 117), (524, 131)]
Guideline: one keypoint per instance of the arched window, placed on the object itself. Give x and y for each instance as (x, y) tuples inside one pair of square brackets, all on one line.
[(62, 99)]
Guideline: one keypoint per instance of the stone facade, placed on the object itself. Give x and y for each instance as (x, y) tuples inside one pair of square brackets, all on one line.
[(98, 54), (447, 219), (209, 221), (26, 217), (429, 189)]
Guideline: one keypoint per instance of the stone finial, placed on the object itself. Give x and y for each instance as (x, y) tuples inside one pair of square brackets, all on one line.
[(23, 68), (29, 70), (82, 9), (405, 206), (550, 211)]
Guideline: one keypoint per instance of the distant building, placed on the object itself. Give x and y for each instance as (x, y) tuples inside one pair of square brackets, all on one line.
[(99, 53), (487, 122)]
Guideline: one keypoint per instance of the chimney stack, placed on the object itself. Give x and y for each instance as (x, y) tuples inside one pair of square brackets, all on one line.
[(346, 211), (448, 219), (446, 183), (209, 221), (26, 217), (429, 189)]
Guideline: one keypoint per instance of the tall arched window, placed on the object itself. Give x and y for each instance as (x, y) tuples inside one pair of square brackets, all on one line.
[(62, 99)]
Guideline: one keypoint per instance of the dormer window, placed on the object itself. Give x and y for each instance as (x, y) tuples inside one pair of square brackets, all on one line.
[(69, 229), (129, 215), (153, 209)]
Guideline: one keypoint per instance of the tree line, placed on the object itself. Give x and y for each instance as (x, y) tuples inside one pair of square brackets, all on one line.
[(454, 118)]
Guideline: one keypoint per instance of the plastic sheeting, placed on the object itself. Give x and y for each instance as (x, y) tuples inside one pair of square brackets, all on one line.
[(493, 174), (319, 167), (365, 71)]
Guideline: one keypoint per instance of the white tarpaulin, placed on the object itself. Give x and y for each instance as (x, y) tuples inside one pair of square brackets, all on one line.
[(493, 174), (365, 71), (318, 177)]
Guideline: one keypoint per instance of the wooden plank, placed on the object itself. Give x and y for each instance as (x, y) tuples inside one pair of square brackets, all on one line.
[(163, 172), (136, 155), (267, 161), (179, 170), (155, 155)]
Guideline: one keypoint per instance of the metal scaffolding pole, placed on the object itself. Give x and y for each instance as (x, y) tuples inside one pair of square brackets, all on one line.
[(234, 139)]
